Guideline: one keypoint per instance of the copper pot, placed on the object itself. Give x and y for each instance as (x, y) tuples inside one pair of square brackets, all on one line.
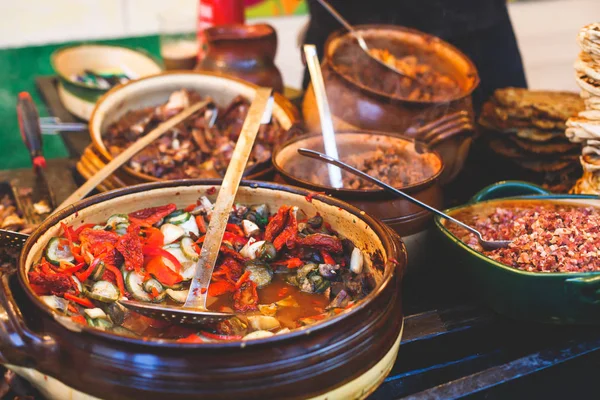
[(244, 51), (407, 219), (347, 356), (446, 125)]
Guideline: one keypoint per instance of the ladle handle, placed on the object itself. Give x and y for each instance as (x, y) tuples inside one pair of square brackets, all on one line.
[(340, 19), (323, 157)]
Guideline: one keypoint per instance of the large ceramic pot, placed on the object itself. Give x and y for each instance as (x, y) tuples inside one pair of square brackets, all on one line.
[(555, 298), (244, 51), (347, 356), (410, 221), (156, 89), (447, 124)]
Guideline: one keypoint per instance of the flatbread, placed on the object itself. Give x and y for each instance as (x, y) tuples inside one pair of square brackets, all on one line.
[(547, 104), (590, 32), (588, 84), (586, 65), (592, 103), (591, 115), (545, 166), (589, 46), (556, 147), (539, 135)]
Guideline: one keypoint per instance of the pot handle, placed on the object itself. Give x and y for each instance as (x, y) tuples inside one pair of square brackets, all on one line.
[(19, 345), (585, 289), (504, 189), (446, 127)]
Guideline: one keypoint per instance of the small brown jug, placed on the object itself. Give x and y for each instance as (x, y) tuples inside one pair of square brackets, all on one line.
[(243, 51)]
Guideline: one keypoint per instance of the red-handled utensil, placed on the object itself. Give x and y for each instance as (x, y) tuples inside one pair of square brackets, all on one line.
[(31, 133)]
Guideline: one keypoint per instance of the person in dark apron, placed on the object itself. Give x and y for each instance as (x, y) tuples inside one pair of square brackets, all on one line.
[(480, 28)]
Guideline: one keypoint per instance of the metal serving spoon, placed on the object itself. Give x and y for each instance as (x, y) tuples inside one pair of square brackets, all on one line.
[(194, 310), (486, 244), (361, 41)]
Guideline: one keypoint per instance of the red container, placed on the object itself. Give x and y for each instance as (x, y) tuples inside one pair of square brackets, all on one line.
[(217, 12)]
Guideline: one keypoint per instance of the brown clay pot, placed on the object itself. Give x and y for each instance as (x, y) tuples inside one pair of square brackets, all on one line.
[(347, 356), (447, 125), (244, 51), (410, 221), (156, 89)]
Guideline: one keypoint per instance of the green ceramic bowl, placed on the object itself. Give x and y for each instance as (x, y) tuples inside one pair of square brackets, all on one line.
[(557, 298), (72, 60)]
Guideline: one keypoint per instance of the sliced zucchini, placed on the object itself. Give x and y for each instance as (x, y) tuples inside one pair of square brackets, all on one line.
[(178, 219), (99, 227), (190, 226), (187, 271), (103, 324), (171, 232), (98, 271), (55, 302), (178, 296), (57, 251), (121, 229), (134, 282), (104, 291), (178, 253), (95, 313), (152, 284), (117, 219), (187, 247)]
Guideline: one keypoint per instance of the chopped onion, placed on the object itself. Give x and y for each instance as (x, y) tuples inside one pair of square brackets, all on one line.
[(356, 261), (171, 232)]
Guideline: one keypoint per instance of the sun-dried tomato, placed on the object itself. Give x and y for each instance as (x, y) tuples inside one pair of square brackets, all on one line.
[(289, 235), (230, 269), (57, 284), (322, 242), (130, 247), (246, 297), (152, 215), (229, 252), (96, 237), (112, 257), (277, 224), (219, 288)]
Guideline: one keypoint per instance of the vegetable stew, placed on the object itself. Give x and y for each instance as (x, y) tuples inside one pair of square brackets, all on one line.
[(276, 271)]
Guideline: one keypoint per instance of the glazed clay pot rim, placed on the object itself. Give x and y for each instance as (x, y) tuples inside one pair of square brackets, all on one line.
[(355, 192), (388, 240), (236, 32), (96, 137), (495, 264), (343, 35)]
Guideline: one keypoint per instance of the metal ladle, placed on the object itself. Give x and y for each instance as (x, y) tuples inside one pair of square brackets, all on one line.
[(485, 244), (361, 41)]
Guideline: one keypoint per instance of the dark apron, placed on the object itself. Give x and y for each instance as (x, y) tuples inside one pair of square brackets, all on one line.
[(480, 28)]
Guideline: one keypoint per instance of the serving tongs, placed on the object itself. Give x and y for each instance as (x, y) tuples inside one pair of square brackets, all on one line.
[(194, 309), (485, 244)]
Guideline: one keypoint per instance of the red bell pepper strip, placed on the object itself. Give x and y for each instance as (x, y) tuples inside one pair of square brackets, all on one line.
[(201, 224), (190, 208), (158, 251), (193, 338), (118, 277), (235, 229), (234, 239), (80, 319), (220, 337), (77, 231), (74, 269), (219, 288), (154, 237), (165, 275), (82, 276), (327, 259), (79, 300)]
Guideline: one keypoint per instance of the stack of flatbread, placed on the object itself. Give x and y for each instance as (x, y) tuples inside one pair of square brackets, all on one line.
[(527, 128), (584, 129)]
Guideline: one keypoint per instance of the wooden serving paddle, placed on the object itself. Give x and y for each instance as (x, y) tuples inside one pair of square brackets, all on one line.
[(131, 151)]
